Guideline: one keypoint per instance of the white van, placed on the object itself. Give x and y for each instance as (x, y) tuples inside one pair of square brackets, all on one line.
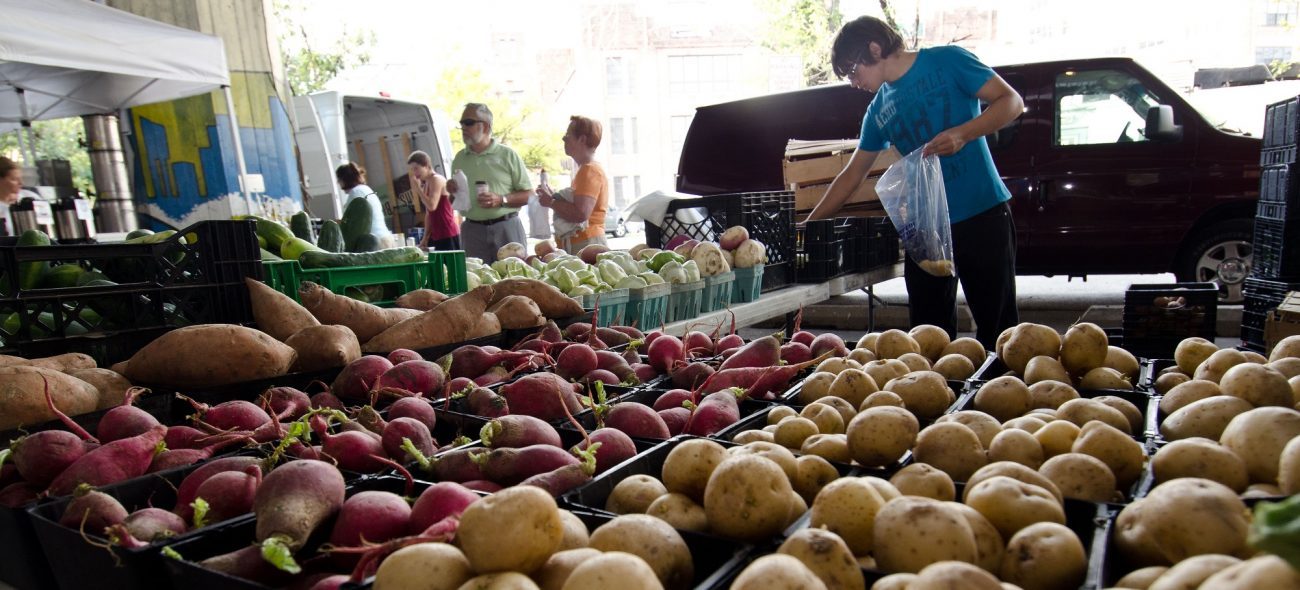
[(378, 134)]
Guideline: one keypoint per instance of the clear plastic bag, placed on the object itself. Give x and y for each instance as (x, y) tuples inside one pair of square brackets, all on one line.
[(912, 193)]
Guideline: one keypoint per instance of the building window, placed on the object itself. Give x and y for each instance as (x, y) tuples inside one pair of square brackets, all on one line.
[(677, 127), (618, 76), (619, 196), (1269, 55), (1281, 13), (622, 134), (703, 74), (626, 189)]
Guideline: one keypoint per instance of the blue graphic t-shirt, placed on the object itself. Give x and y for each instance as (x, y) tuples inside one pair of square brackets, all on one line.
[(938, 93)]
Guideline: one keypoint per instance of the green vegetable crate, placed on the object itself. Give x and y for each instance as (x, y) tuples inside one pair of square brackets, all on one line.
[(613, 307), (685, 301), (717, 292), (648, 307), (380, 283), (748, 285)]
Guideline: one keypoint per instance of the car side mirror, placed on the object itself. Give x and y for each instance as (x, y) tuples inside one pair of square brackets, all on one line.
[(1160, 124)]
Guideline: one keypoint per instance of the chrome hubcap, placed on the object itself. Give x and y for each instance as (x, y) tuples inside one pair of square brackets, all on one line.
[(1227, 265)]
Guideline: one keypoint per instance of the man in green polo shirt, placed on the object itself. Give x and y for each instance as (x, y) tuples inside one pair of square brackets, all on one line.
[(493, 219)]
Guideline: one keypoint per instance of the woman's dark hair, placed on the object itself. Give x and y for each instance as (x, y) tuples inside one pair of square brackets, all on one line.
[(852, 44), (349, 175), (6, 166), (421, 158)]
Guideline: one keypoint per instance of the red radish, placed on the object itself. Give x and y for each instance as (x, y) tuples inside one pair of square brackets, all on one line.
[(672, 398), (492, 376), (353, 450), (370, 517), (536, 345), (602, 376), (715, 412), (675, 419), (125, 420), (368, 417), (729, 342), (511, 466), (248, 564), (485, 402), (630, 332), (692, 375), (472, 361), (665, 352), (577, 331), (9, 475), (230, 493), (795, 352), (645, 373), (697, 342), (457, 465), (551, 333), (518, 430), (459, 384), (439, 501), (559, 481), (402, 355), (189, 487), (615, 447), (651, 336), (286, 402), (804, 338), (17, 494), (181, 436), (326, 400), (42, 456), (828, 342), (299, 450), (608, 359), (359, 377), (575, 361), (636, 420), (117, 461), (173, 458), (330, 582), (631, 356), (624, 374), (234, 415), (294, 499), (415, 408), (761, 352), (95, 509), (541, 395), (758, 382), (420, 378), (406, 429), (483, 485), (154, 524), (491, 349), (612, 337)]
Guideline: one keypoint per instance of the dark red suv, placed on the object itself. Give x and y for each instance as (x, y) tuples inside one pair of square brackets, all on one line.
[(1111, 171)]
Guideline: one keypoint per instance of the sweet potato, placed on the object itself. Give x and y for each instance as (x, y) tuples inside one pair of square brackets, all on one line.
[(324, 347), (9, 360), (552, 302), (518, 313), (110, 385), (456, 320), (22, 395), (364, 319), (210, 355), (70, 361), (420, 299), (277, 314)]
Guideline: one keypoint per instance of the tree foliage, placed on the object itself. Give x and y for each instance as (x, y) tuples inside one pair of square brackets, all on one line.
[(309, 66), (804, 28), (56, 139)]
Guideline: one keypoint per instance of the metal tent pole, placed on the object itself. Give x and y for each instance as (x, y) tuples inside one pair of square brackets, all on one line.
[(239, 149)]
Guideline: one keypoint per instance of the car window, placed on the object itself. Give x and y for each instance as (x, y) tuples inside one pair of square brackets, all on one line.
[(1101, 107)]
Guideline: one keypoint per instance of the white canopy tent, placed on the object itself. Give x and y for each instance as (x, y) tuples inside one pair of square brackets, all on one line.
[(67, 58)]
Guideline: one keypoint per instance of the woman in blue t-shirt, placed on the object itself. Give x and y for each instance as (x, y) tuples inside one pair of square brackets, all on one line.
[(930, 98)]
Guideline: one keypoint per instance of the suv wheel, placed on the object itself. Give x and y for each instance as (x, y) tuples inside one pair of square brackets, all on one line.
[(1221, 255), (620, 230)]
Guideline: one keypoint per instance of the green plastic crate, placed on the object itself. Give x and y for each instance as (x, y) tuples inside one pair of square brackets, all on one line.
[(748, 285), (443, 272), (685, 301), (613, 307), (648, 307), (717, 292)]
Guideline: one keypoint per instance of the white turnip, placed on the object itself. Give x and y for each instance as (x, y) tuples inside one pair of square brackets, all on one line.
[(733, 237), (749, 253)]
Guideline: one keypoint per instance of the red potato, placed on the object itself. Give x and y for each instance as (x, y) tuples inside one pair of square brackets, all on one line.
[(154, 524), (42, 456), (761, 352), (715, 412), (637, 420), (414, 408), (95, 509), (294, 499), (439, 501), (401, 430), (359, 377), (615, 447), (117, 461), (188, 490), (230, 493), (542, 395), (518, 430), (511, 466)]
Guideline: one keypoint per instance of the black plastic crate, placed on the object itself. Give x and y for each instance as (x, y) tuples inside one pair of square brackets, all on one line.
[(769, 217), (1277, 155), (194, 277), (824, 249), (1271, 257), (1282, 123), (22, 563), (1277, 211), (1159, 313), (1279, 184), (880, 243)]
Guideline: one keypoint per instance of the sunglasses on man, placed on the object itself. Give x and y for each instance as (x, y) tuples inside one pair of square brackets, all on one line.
[(469, 122)]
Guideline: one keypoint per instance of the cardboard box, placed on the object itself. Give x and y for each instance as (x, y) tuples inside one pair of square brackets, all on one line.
[(810, 166), (806, 197), (1283, 321)]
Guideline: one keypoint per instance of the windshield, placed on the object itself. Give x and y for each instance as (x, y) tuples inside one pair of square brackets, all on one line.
[(1240, 109)]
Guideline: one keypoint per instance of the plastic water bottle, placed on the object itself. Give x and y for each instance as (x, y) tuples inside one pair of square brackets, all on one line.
[(462, 184)]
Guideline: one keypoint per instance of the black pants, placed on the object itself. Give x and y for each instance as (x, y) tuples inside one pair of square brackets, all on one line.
[(984, 247), (452, 243)]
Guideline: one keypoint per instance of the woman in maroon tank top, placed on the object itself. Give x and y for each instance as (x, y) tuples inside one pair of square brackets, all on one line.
[(440, 229)]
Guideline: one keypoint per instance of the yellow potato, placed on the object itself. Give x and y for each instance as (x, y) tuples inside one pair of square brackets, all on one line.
[(954, 574), (880, 436), (931, 339), (882, 398), (1123, 361), (1192, 572), (911, 533), (1083, 348), (749, 436), (1182, 518), (558, 568), (1044, 556), (680, 511), (862, 356), (689, 465), (763, 487), (1258, 437), (814, 473), (1200, 457), (634, 494), (791, 432), (1205, 418), (919, 479), (1288, 347), (1214, 366), (1015, 471), (853, 385), (826, 419), (1081, 411), (1289, 367), (815, 387), (613, 568), (1080, 476), (848, 507), (967, 347), (1288, 471), (867, 341), (1029, 424), (1191, 352), (924, 393), (915, 362), (1017, 446), (778, 572), (653, 540), (576, 535), (1056, 437), (1051, 394), (1124, 456), (780, 412), (1027, 341), (1136, 422), (832, 447), (1141, 579), (1003, 398), (989, 544), (827, 556), (952, 448), (1012, 505), (885, 370), (892, 344), (1266, 572), (1186, 393), (983, 425), (1257, 384), (1045, 368), (438, 566), (954, 367), (1168, 381)]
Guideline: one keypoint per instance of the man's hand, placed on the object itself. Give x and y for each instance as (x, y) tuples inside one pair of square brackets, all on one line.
[(490, 200), (545, 198), (946, 143)]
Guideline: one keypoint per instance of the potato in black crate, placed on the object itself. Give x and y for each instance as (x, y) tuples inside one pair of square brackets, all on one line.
[(1175, 310), (769, 217), (1272, 258)]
